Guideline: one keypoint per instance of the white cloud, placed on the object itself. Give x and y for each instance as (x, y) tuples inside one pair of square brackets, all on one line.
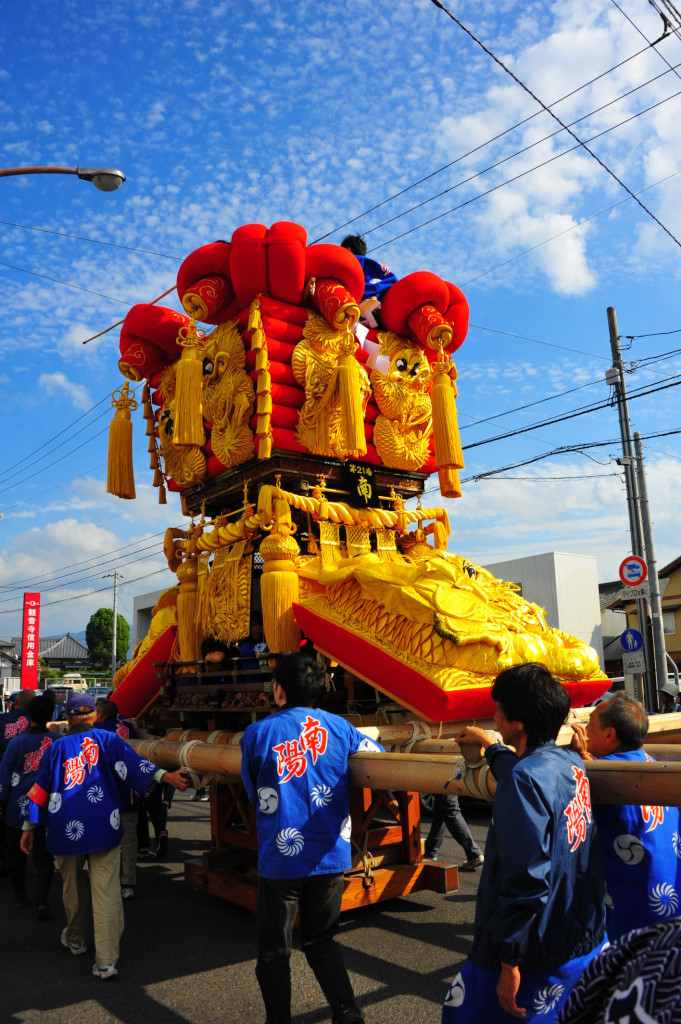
[(59, 383)]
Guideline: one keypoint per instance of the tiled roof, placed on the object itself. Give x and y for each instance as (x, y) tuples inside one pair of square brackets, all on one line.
[(67, 648)]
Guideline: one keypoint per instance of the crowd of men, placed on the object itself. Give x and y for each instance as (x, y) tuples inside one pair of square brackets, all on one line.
[(577, 914)]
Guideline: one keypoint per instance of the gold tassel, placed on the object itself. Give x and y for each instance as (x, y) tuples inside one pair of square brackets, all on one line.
[(188, 427), (257, 339), (450, 486), (350, 397), (261, 361), (162, 500), (120, 479), (146, 392), (187, 631), (264, 446), (440, 535), (150, 428), (151, 447), (264, 405), (254, 319), (153, 460), (279, 582), (263, 384), (265, 498), (148, 410), (158, 477), (445, 426)]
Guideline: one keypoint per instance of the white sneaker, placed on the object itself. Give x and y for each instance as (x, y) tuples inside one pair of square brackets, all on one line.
[(76, 947), (104, 971), (127, 892)]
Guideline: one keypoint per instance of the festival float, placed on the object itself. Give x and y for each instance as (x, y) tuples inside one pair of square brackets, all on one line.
[(298, 406)]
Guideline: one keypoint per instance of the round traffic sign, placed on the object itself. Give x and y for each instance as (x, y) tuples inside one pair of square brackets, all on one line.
[(633, 571), (631, 640)]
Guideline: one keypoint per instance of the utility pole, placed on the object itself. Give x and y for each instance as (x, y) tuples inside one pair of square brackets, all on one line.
[(615, 377), (115, 575), (655, 597)]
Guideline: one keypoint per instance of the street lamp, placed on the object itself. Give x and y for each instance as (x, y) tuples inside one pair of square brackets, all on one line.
[(106, 179)]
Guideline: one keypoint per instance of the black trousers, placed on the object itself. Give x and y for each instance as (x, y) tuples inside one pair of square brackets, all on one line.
[(318, 899), (16, 859)]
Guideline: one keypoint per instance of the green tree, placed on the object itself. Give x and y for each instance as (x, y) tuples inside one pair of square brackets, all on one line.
[(99, 638)]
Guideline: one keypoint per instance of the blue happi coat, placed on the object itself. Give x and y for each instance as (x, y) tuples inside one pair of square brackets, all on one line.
[(76, 792), (294, 766), (641, 859), (12, 723), (18, 772), (541, 893)]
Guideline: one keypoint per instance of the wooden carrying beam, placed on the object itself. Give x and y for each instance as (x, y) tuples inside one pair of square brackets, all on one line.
[(612, 782)]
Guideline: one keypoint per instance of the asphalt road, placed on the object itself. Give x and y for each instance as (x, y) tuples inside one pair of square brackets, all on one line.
[(188, 958)]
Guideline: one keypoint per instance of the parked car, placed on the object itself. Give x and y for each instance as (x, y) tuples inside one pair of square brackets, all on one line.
[(99, 692)]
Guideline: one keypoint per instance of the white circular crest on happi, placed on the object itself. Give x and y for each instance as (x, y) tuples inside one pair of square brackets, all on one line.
[(74, 830), (268, 800), (290, 842), (629, 849), (547, 998), (663, 900), (457, 992), (321, 796)]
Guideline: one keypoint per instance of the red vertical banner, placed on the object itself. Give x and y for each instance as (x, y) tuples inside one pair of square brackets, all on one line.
[(30, 643)]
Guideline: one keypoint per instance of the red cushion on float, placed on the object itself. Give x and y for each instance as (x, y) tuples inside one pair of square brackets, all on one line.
[(156, 325), (457, 314), (282, 416), (248, 262), (279, 372), (277, 352), (286, 261), (214, 467), (409, 294), (142, 684), (209, 261), (141, 359), (287, 311), (291, 396), (325, 260)]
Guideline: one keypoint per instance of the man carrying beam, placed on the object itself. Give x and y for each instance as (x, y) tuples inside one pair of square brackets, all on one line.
[(641, 845), (539, 917)]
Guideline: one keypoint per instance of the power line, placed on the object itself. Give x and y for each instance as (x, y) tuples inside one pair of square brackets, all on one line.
[(82, 597), (536, 167), (67, 284), (601, 163), (482, 145), (641, 393), (95, 241), (93, 570), (565, 231), (531, 145), (562, 450)]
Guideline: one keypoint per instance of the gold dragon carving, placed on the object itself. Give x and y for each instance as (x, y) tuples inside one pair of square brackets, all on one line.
[(405, 423), (186, 464), (314, 364), (228, 396)]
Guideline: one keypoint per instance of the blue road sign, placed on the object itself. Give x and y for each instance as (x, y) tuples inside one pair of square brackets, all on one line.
[(631, 640)]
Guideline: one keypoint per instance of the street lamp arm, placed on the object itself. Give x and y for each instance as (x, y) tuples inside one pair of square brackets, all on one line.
[(106, 179)]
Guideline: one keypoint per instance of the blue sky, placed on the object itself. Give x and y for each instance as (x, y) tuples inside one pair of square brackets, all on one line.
[(225, 113)]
